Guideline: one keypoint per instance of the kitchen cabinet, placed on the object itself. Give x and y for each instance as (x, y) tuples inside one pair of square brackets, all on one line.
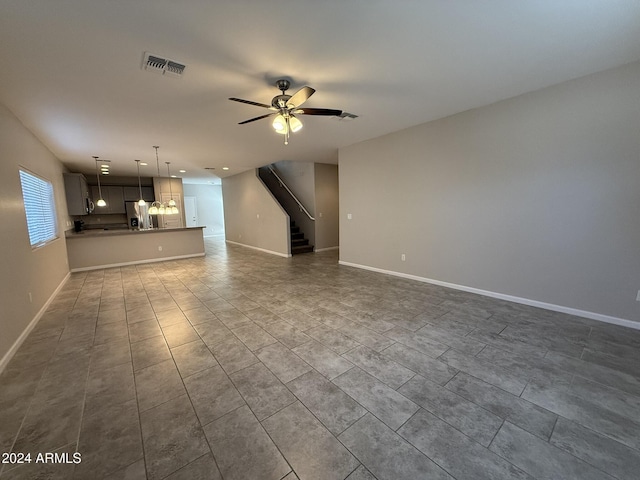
[(113, 195), (77, 193), (132, 194)]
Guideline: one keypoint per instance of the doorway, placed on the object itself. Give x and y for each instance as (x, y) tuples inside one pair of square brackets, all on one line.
[(190, 211)]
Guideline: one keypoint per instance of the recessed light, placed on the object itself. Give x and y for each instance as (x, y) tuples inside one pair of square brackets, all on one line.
[(174, 176), (183, 171), (143, 164), (225, 168), (105, 173)]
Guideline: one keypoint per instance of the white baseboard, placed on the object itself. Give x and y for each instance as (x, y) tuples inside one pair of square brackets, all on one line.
[(136, 262), (259, 249), (525, 301), (25, 333), (326, 249)]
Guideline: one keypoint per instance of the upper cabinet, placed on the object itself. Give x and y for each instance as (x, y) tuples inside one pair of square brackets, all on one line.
[(132, 194), (77, 193), (113, 195)]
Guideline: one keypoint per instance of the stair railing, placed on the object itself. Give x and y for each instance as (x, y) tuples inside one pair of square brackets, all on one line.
[(284, 185)]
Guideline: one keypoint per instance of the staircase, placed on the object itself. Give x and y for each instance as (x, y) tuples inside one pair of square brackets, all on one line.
[(299, 244)]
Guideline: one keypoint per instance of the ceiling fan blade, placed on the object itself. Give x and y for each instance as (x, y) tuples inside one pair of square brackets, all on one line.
[(328, 112), (300, 97), (257, 118), (249, 102)]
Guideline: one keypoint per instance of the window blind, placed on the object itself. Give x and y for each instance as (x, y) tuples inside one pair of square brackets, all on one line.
[(40, 208)]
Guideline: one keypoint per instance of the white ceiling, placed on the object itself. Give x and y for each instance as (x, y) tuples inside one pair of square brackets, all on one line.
[(71, 70)]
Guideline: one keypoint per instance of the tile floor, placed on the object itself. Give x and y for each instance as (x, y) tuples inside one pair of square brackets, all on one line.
[(242, 365)]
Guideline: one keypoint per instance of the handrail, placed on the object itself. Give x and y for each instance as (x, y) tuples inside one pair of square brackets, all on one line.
[(282, 184)]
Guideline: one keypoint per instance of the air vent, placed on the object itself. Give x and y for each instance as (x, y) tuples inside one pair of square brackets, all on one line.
[(163, 66)]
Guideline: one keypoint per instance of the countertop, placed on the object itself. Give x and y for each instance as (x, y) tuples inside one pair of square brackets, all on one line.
[(101, 233)]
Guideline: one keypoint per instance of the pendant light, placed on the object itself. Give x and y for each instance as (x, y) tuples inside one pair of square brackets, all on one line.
[(172, 209), (100, 202), (141, 202), (157, 207)]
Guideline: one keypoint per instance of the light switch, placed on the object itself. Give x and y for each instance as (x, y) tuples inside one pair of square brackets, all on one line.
[(349, 216)]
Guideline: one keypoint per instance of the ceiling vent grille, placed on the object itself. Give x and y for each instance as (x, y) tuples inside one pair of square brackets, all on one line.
[(345, 116), (163, 66)]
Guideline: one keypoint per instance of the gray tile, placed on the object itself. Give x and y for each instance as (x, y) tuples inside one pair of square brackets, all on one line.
[(380, 366), (539, 458), (326, 361), (428, 367), (289, 335), (172, 437), (179, 333), (558, 397), (261, 316), (243, 449), (203, 468), (598, 373), (486, 371), (283, 363), (361, 473), (193, 357), (212, 394), (387, 455), (106, 387), (331, 338), (334, 408), (142, 330), (149, 352), (233, 355), (253, 336), (366, 336), (135, 471), (109, 440), (417, 341), (170, 317), (518, 411), (299, 320), (462, 414), (213, 332), (262, 391), (385, 403), (157, 384), (110, 332), (199, 315), (311, 450), (597, 450), (460, 456), (442, 335), (232, 318)]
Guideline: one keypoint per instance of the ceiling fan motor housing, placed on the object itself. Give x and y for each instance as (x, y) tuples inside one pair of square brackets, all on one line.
[(280, 101)]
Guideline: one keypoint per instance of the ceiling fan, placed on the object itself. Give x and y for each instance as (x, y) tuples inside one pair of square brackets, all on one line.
[(286, 108)]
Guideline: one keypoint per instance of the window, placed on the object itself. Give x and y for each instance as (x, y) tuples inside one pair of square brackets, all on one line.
[(40, 208)]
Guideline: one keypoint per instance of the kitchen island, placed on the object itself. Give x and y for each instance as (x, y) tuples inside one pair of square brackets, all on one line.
[(96, 249)]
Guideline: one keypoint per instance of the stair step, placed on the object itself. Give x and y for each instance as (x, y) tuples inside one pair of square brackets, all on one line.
[(296, 235), (301, 249), (299, 241), (295, 229)]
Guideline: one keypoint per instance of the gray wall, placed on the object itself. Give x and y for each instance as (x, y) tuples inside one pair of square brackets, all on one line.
[(209, 205), (252, 217), (326, 203), (535, 197), (40, 271)]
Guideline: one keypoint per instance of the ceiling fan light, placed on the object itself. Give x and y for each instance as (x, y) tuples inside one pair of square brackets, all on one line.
[(141, 202), (279, 124), (175, 210), (101, 203), (172, 203), (295, 124)]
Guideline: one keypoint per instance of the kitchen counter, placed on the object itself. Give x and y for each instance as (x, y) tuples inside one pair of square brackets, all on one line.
[(122, 231), (97, 249)]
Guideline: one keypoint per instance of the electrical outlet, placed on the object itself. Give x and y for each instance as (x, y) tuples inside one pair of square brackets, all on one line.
[(638, 296), (30, 298), (159, 248), (403, 257), (349, 217), (257, 215)]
